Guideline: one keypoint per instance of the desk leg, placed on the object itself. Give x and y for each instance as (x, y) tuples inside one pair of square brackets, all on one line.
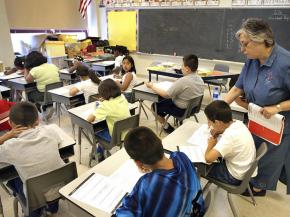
[(1, 208), (149, 76), (58, 112), (80, 145), (155, 114), (156, 76)]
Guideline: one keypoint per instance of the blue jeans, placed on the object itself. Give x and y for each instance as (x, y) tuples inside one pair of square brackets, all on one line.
[(16, 186), (220, 172)]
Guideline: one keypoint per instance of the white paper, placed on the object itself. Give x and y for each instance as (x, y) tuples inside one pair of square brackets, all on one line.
[(164, 85), (275, 123), (194, 153), (100, 193), (126, 176), (88, 112), (200, 136), (64, 71)]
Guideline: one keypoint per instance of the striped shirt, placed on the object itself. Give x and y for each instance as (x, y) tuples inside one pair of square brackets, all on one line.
[(164, 193)]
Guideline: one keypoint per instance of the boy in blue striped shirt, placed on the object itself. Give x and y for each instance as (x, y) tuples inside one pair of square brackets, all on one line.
[(169, 185)]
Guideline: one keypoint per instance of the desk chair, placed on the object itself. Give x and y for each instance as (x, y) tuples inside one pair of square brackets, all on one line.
[(219, 82), (192, 109), (43, 189), (133, 100), (47, 97), (233, 189), (116, 139)]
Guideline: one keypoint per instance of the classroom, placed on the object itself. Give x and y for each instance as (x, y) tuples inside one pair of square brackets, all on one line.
[(145, 108)]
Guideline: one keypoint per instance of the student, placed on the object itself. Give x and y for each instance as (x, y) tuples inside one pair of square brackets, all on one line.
[(37, 145), (5, 107), (89, 82), (119, 54), (37, 69), (169, 184), (183, 89), (235, 145), (18, 66), (113, 106), (129, 79)]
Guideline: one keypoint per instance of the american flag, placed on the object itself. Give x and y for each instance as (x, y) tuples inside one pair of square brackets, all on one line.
[(83, 7)]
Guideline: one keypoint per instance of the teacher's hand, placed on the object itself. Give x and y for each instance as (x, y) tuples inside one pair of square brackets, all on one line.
[(268, 111)]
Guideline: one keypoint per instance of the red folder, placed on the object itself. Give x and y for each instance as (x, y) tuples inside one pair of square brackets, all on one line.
[(265, 133)]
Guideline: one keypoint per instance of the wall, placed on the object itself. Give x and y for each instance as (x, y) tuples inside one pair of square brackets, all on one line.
[(6, 50), (44, 14)]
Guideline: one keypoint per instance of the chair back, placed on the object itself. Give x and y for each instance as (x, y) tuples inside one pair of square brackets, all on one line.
[(47, 95), (192, 107), (44, 188), (123, 126)]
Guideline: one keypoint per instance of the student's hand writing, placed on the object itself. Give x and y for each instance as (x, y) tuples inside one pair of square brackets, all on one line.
[(268, 111), (214, 133), (149, 84)]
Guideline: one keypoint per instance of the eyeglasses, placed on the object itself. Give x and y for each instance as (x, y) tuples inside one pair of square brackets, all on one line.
[(245, 44)]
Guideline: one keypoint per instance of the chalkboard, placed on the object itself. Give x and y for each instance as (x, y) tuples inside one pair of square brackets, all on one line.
[(208, 33)]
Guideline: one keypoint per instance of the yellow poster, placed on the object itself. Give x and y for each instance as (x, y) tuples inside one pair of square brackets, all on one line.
[(122, 28)]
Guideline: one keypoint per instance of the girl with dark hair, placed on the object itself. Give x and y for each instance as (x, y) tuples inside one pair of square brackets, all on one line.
[(129, 79), (37, 69), (113, 106), (89, 82), (18, 66)]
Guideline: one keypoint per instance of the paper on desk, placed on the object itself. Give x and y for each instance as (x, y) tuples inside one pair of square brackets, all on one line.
[(126, 176), (200, 136), (64, 71), (164, 85), (100, 193), (194, 153), (88, 112)]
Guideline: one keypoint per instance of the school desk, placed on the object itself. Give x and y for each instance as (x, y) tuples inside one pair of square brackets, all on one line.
[(5, 78), (155, 69), (69, 77), (5, 92), (66, 150), (21, 84), (104, 67), (61, 95), (79, 116)]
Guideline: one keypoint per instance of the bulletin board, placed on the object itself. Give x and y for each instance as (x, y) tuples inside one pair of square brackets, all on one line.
[(122, 28)]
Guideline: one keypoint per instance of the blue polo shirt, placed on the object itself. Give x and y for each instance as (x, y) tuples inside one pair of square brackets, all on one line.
[(164, 193), (268, 84)]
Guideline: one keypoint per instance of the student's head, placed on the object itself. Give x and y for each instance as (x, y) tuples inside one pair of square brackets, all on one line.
[(120, 50), (190, 64), (109, 89), (24, 114), (34, 59), (144, 147), (128, 65), (218, 114), (19, 63), (85, 73)]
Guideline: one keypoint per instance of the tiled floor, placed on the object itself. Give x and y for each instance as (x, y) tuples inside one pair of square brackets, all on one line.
[(275, 204)]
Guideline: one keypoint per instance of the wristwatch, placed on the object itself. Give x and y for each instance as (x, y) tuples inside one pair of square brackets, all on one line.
[(278, 107)]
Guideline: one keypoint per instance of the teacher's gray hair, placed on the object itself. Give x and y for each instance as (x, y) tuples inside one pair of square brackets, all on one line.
[(258, 31)]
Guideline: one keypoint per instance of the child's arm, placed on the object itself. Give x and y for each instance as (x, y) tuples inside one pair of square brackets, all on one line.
[(73, 91), (11, 71), (157, 90), (211, 154), (11, 134)]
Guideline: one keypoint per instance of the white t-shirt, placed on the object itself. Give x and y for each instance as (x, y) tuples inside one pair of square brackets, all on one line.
[(34, 152), (88, 88), (237, 147), (132, 83), (118, 61)]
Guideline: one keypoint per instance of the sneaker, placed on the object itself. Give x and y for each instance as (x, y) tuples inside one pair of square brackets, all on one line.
[(169, 129), (261, 193), (49, 112)]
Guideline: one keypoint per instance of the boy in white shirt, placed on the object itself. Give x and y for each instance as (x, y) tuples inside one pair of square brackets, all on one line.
[(235, 144)]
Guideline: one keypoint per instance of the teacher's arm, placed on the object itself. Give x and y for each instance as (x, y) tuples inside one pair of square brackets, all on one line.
[(233, 94), (268, 111)]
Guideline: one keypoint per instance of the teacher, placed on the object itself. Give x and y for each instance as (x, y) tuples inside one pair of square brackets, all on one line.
[(265, 81)]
